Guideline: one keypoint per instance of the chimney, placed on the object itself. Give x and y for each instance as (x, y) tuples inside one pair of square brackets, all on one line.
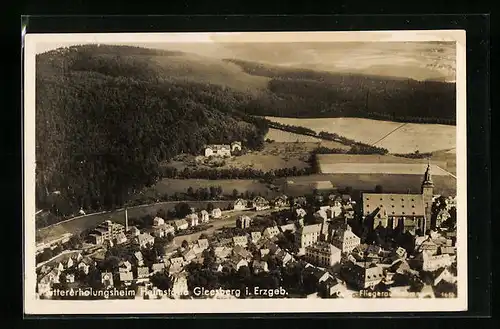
[(126, 220)]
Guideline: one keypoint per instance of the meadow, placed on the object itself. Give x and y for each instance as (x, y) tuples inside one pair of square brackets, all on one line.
[(409, 138)]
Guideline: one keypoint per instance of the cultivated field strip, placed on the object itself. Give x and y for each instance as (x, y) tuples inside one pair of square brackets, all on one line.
[(379, 168)]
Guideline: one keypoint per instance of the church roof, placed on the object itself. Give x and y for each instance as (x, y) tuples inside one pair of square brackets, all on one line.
[(394, 204)]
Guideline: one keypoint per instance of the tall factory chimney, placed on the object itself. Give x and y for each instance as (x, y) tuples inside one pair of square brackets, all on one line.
[(126, 220)]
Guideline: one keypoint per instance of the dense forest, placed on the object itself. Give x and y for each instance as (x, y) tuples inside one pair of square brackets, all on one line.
[(313, 94), (105, 121)]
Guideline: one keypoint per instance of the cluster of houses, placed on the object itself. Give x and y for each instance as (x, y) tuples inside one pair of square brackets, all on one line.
[(333, 254)]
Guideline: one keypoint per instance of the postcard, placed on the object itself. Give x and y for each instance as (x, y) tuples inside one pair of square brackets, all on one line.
[(255, 172)]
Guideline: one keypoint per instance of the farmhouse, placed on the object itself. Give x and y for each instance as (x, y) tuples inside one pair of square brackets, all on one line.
[(222, 149), (216, 213), (181, 224), (218, 150), (192, 219), (281, 201), (240, 204), (259, 203), (408, 211), (204, 216)]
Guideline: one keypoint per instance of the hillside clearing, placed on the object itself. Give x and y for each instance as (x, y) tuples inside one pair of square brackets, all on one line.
[(407, 139)]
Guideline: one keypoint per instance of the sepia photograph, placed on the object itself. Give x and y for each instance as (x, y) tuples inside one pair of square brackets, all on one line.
[(245, 172)]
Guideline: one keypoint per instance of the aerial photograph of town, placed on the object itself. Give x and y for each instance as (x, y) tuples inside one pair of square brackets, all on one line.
[(219, 169)]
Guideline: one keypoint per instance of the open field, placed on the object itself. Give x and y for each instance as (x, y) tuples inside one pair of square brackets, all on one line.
[(379, 168), (446, 157), (274, 155), (295, 186), (378, 164), (79, 224), (409, 138), (171, 186), (288, 137)]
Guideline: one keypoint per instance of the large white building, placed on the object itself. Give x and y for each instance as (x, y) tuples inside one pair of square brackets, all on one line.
[(345, 239), (307, 235), (323, 254)]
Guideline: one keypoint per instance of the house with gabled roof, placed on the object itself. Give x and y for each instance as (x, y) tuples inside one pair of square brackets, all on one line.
[(281, 201), (443, 274), (271, 232), (242, 252), (345, 239), (107, 279), (255, 236), (124, 266), (203, 244), (181, 224), (145, 239), (222, 252), (216, 213), (193, 219), (260, 203), (300, 213), (259, 266), (139, 259), (236, 262), (126, 277), (157, 268), (241, 240), (219, 150), (204, 216), (188, 255), (240, 204), (243, 222), (288, 227), (142, 273)]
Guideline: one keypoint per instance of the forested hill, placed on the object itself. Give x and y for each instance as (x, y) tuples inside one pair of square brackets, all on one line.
[(302, 93), (106, 117)]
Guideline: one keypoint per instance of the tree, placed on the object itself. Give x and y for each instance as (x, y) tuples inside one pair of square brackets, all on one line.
[(159, 245), (182, 209), (170, 237), (161, 213), (184, 244), (208, 258), (75, 242), (235, 193), (210, 207), (47, 254), (416, 284), (161, 281), (190, 191)]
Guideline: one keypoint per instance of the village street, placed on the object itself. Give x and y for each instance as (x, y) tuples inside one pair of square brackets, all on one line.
[(228, 220)]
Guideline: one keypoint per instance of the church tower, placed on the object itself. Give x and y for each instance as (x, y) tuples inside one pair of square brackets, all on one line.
[(427, 194)]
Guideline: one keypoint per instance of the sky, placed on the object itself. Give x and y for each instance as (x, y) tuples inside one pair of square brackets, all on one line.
[(420, 60)]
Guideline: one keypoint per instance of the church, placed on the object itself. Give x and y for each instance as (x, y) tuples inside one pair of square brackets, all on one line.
[(411, 212)]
